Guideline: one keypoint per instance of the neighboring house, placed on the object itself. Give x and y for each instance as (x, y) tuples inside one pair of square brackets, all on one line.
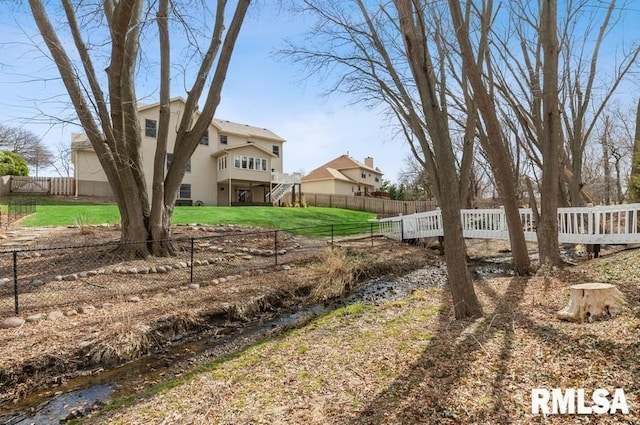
[(344, 176), (234, 163)]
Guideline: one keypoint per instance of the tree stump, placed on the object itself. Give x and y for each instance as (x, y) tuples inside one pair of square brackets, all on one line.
[(592, 300)]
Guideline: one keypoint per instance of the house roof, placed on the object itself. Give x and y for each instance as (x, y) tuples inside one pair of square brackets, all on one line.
[(229, 127), (344, 162), (80, 141), (223, 126), (331, 170), (326, 173), (235, 147)]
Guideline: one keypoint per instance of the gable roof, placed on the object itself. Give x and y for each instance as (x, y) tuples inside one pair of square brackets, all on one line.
[(248, 145), (332, 169), (326, 173), (345, 162)]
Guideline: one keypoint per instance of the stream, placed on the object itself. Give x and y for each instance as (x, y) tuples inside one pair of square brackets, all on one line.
[(79, 396)]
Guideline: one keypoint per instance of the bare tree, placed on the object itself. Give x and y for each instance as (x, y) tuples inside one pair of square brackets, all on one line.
[(548, 224), (61, 161), (385, 53), (494, 143), (108, 112), (26, 144), (634, 178), (582, 102)]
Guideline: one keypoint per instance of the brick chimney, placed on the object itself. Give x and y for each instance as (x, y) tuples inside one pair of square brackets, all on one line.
[(368, 161)]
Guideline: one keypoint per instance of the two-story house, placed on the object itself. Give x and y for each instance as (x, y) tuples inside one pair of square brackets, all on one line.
[(233, 164), (343, 176)]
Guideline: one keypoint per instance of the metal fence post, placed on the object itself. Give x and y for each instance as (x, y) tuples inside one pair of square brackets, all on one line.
[(191, 271), (275, 245), (401, 229), (15, 280), (332, 235)]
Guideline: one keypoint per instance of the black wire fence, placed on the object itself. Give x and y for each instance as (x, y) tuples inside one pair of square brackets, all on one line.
[(46, 278), (16, 209)]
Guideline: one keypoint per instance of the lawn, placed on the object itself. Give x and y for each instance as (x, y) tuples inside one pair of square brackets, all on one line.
[(307, 221)]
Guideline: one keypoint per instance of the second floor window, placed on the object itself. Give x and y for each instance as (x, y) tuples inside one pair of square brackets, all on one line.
[(223, 139), (250, 163), (222, 163), (170, 159), (276, 150), (363, 175), (150, 128)]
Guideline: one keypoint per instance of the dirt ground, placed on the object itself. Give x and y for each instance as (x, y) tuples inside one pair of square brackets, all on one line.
[(41, 355), (409, 362), (482, 369)]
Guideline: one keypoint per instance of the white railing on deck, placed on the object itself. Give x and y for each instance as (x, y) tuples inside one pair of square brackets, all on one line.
[(285, 177), (617, 224)]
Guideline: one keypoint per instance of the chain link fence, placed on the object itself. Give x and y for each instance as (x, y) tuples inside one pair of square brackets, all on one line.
[(43, 279)]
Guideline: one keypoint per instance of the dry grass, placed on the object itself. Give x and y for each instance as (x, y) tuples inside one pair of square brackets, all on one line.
[(122, 341), (38, 355), (337, 273), (409, 362)]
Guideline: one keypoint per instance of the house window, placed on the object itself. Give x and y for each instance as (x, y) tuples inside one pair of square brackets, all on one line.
[(222, 163), (377, 179), (363, 175), (150, 128), (276, 150), (205, 139), (170, 159), (223, 139), (185, 191), (249, 163)]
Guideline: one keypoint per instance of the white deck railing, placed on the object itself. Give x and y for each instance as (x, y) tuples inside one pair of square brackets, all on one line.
[(285, 177), (616, 224)]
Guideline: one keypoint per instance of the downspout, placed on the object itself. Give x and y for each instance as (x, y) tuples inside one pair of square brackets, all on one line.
[(75, 172)]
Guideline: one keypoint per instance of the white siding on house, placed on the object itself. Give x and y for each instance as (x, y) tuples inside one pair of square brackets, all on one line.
[(205, 177)]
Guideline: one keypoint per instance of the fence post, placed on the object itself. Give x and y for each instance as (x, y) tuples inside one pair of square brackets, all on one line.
[(15, 280), (191, 271), (275, 245), (401, 229), (332, 235), (371, 233)]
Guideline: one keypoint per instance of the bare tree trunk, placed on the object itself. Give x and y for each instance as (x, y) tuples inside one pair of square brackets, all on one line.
[(465, 301), (634, 179), (606, 154), (494, 143), (548, 226), (112, 126)]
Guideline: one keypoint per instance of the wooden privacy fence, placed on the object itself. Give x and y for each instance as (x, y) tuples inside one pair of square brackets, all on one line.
[(379, 206), (42, 185)]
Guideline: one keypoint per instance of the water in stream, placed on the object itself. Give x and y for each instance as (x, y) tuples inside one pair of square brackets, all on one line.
[(79, 396)]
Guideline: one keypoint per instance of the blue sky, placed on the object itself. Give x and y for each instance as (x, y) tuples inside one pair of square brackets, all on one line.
[(260, 90)]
